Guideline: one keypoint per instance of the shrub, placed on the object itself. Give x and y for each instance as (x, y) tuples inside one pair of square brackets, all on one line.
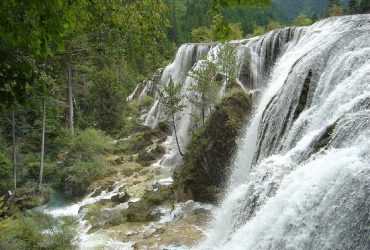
[(84, 162), (273, 25), (5, 174), (146, 102), (35, 230), (75, 179), (302, 20), (259, 30), (201, 35), (89, 143)]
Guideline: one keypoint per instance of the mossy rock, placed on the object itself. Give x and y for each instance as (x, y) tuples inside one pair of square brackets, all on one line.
[(208, 159), (146, 158), (32, 199), (142, 211), (158, 151)]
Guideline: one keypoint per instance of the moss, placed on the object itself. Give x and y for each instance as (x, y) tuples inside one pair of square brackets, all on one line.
[(31, 199), (142, 211), (146, 158), (208, 158)]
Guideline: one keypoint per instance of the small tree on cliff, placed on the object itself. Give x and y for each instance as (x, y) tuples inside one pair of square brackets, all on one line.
[(227, 62), (171, 99), (205, 88)]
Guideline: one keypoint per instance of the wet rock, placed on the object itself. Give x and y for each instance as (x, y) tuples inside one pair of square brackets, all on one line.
[(146, 158), (159, 231), (120, 198), (97, 192), (158, 151), (208, 158), (143, 210)]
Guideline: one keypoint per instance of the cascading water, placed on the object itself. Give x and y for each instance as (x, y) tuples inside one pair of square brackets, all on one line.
[(301, 175), (253, 58)]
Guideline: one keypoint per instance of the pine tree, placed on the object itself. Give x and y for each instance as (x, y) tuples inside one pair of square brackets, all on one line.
[(204, 89), (171, 99), (353, 6)]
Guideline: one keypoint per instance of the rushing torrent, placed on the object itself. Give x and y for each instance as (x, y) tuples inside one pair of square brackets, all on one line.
[(301, 175)]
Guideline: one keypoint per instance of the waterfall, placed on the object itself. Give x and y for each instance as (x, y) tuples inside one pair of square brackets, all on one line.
[(301, 175), (254, 58)]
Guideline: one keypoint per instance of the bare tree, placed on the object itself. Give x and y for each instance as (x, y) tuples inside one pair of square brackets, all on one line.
[(42, 154)]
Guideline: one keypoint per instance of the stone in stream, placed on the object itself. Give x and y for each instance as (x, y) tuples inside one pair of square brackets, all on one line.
[(120, 198)]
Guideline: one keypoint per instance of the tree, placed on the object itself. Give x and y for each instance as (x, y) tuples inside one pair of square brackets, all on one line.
[(171, 99), (236, 31), (30, 30), (365, 6), (227, 62), (273, 25), (205, 88), (201, 35), (302, 20), (353, 6), (5, 174), (42, 153), (335, 10), (259, 30), (14, 153), (218, 5), (221, 28)]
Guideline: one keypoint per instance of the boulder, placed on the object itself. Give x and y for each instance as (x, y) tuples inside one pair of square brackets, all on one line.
[(207, 162), (121, 198)]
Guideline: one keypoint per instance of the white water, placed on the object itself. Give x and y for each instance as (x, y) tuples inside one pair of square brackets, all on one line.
[(253, 59), (283, 194)]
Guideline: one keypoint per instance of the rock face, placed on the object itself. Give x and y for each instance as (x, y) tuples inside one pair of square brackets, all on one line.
[(121, 198), (207, 162)]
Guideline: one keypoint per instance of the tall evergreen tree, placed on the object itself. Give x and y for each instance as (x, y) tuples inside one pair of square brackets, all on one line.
[(171, 99)]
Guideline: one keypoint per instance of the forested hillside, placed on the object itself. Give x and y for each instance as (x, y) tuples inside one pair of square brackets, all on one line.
[(103, 101)]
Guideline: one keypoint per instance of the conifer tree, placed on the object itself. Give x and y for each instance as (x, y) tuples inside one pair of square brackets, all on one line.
[(172, 101)]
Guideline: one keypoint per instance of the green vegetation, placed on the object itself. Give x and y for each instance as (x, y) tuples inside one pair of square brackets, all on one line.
[(201, 35), (66, 70), (83, 162), (172, 101), (34, 230), (207, 161), (302, 20)]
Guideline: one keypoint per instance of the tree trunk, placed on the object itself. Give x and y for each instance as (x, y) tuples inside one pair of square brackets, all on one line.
[(70, 100), (14, 154), (42, 144), (177, 141)]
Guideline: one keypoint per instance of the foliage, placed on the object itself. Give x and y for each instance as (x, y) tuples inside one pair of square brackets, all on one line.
[(75, 179), (302, 20), (146, 102), (171, 99), (227, 62), (273, 25), (259, 30), (236, 31), (335, 10), (84, 161), (106, 102), (30, 30), (5, 174), (89, 143), (217, 5), (35, 230), (206, 163), (201, 35), (203, 92)]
